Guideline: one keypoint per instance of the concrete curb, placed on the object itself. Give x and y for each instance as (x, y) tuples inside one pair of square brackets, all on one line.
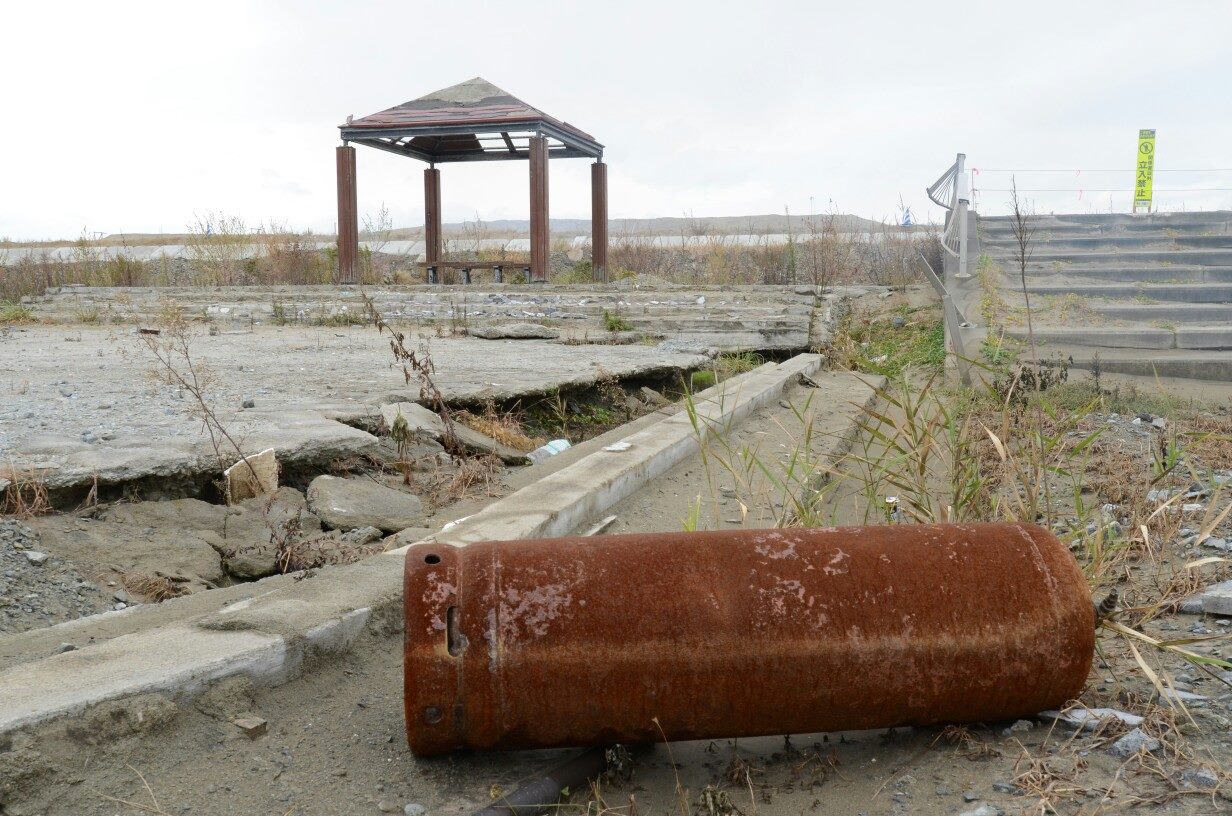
[(269, 636)]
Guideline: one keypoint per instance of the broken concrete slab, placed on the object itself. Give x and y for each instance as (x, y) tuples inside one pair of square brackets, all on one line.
[(148, 436), (346, 504), (242, 534), (424, 422), (516, 331), (1215, 599), (253, 475), (419, 420), (97, 547)]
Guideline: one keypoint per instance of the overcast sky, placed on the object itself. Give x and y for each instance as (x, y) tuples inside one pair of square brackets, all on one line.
[(130, 116)]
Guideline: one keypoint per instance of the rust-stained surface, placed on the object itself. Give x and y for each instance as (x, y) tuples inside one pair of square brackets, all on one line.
[(583, 641)]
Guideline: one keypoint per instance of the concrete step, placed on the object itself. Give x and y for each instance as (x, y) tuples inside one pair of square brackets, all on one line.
[(1175, 313), (1108, 242), (1170, 292), (1213, 219), (1156, 339), (1180, 363), (1042, 254), (1173, 273)]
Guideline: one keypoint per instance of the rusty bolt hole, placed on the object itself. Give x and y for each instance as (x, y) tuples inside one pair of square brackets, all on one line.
[(432, 558), (432, 715)]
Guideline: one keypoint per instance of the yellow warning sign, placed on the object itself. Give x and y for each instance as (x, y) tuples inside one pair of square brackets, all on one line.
[(1145, 173)]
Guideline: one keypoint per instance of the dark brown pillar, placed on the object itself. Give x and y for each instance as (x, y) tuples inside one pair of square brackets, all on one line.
[(432, 215), (348, 215), (539, 234), (598, 220)]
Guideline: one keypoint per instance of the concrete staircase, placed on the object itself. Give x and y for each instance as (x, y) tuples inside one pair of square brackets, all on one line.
[(1148, 294)]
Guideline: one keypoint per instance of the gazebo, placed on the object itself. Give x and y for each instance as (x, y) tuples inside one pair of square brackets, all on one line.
[(472, 121)]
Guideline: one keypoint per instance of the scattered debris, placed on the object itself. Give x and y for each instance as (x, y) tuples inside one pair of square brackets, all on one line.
[(251, 476), (252, 727), (1132, 743), (595, 529), (515, 331), (1088, 719), (548, 450), (654, 397)]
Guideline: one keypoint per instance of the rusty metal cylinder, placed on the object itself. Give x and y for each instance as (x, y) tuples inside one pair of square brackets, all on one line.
[(587, 641)]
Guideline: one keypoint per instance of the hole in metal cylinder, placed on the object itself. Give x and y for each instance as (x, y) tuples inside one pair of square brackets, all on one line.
[(432, 558)]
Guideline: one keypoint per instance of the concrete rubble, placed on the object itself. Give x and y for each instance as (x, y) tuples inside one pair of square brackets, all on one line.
[(347, 504)]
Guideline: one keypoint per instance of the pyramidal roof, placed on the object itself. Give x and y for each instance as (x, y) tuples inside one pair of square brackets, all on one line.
[(474, 103)]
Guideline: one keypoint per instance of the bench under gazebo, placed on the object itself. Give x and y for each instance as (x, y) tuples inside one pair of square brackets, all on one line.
[(472, 121)]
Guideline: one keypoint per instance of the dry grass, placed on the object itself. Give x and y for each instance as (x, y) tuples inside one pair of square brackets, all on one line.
[(504, 428), (26, 495), (154, 588), (298, 554)]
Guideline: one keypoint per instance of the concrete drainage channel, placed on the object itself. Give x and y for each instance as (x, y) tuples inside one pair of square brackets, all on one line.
[(285, 623)]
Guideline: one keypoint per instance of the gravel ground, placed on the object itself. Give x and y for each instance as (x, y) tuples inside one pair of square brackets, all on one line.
[(38, 589)]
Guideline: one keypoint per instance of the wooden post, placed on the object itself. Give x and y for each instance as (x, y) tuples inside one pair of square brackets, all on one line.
[(432, 215), (348, 215), (598, 220), (539, 232)]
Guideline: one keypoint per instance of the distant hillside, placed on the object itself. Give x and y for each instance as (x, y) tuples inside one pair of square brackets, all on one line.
[(712, 225), (561, 227)]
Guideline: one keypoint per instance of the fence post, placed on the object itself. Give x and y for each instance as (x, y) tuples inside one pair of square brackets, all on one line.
[(963, 194)]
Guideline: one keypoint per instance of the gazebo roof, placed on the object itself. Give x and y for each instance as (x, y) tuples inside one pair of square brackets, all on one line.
[(471, 121)]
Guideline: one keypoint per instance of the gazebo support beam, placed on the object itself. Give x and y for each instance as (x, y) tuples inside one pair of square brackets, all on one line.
[(432, 214), (348, 215), (539, 230), (598, 220)]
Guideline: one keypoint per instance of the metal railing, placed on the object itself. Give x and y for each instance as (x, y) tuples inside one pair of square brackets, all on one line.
[(952, 191)]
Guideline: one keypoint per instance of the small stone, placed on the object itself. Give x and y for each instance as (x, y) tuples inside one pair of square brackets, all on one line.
[(1136, 421), (249, 402), (1007, 788), (1019, 727), (944, 790), (388, 806), (89, 437), (363, 535), (1201, 778), (36, 558), (1159, 423), (1146, 417), (252, 727), (983, 810), (65, 647), (120, 605), (970, 796), (898, 321), (414, 809), (1133, 742)]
